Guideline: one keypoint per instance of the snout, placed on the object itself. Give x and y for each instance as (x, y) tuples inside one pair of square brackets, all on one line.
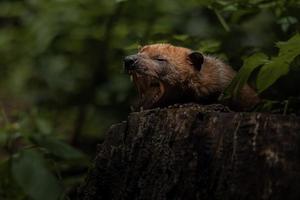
[(130, 62)]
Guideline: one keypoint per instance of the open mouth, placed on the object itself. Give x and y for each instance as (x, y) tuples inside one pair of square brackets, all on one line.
[(150, 89)]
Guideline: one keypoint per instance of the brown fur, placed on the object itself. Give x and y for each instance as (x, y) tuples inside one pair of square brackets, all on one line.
[(171, 66)]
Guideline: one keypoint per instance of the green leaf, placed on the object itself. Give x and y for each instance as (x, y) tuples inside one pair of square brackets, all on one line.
[(181, 37), (286, 22), (43, 125), (278, 66), (250, 64), (270, 72), (9, 189), (210, 46), (289, 49), (3, 137), (57, 147), (35, 179)]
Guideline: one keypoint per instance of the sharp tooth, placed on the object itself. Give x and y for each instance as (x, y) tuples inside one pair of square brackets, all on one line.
[(131, 78)]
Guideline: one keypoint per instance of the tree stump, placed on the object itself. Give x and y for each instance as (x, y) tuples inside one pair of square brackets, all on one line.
[(197, 152)]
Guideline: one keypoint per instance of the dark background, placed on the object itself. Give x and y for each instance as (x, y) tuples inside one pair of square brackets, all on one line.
[(62, 84)]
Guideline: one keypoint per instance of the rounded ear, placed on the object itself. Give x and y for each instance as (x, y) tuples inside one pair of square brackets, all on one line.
[(196, 59)]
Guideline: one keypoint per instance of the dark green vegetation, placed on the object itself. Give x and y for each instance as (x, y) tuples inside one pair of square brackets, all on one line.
[(62, 85)]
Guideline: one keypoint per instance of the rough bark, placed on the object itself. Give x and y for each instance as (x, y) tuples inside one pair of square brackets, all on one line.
[(197, 152)]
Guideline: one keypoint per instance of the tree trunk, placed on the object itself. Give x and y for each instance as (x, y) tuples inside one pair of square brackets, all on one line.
[(197, 152)]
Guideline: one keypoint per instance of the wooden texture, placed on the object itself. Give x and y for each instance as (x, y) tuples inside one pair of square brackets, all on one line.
[(197, 152)]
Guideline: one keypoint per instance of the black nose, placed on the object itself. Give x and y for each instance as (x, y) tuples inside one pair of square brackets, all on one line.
[(130, 62)]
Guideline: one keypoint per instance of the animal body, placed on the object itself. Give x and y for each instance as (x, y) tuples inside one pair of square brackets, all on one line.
[(165, 74)]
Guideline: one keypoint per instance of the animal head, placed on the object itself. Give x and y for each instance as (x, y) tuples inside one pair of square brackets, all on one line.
[(159, 72)]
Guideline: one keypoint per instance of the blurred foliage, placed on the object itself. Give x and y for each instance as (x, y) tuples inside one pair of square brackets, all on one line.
[(62, 85)]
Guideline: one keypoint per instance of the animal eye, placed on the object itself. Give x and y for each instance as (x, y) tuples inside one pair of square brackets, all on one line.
[(160, 59)]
